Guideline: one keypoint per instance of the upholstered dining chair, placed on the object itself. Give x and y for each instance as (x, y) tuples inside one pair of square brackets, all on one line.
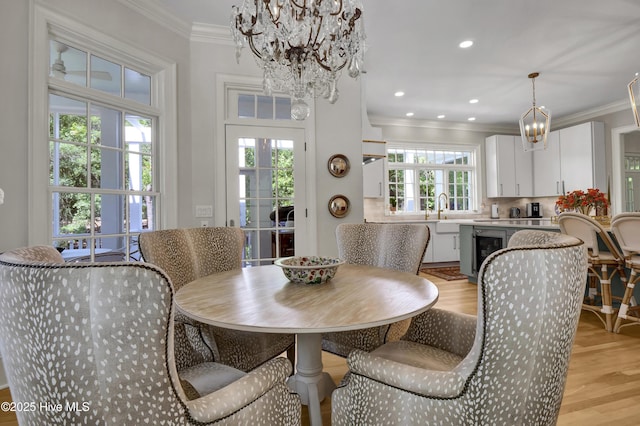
[(394, 246), (626, 228), (190, 253), (507, 366), (603, 265), (94, 343)]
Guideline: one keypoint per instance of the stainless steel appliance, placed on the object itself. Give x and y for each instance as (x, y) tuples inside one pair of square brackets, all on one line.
[(534, 210), (514, 212)]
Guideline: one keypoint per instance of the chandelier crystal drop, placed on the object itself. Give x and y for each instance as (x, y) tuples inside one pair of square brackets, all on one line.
[(634, 97), (301, 46), (535, 123)]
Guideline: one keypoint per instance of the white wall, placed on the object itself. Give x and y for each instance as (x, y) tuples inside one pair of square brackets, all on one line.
[(332, 129), (111, 18)]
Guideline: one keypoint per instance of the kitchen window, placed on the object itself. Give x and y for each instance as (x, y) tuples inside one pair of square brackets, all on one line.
[(416, 177)]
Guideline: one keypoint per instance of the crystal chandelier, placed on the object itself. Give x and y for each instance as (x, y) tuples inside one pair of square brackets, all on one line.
[(301, 45), (634, 97), (534, 123)]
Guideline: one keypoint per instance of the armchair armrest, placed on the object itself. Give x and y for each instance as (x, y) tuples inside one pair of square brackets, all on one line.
[(450, 331), (242, 392), (429, 383)]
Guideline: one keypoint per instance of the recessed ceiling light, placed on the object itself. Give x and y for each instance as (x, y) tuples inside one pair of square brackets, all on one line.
[(441, 116), (398, 94), (471, 119), (473, 101), (409, 114), (465, 44)]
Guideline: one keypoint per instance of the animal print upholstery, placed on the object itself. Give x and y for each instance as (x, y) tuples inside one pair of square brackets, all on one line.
[(513, 358), (393, 246), (188, 254), (92, 343)]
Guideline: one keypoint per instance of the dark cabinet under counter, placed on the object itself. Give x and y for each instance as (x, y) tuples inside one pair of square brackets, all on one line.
[(478, 241)]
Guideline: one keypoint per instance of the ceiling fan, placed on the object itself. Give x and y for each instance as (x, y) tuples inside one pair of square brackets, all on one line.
[(59, 70)]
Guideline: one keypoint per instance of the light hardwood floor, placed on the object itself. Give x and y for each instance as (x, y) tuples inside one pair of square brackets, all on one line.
[(603, 386)]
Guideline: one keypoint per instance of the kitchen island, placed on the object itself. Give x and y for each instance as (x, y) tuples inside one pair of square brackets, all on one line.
[(481, 237)]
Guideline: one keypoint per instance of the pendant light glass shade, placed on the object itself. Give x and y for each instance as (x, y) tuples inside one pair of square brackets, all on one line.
[(535, 124), (634, 97)]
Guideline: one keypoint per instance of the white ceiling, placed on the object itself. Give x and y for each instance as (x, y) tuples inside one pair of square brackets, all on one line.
[(586, 52)]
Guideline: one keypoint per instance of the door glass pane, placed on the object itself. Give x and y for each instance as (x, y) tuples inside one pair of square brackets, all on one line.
[(265, 190)]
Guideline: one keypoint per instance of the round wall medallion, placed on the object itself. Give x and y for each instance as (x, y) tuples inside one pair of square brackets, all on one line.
[(338, 165), (339, 206)]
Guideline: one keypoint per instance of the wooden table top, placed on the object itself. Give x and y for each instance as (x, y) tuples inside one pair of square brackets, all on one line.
[(262, 299)]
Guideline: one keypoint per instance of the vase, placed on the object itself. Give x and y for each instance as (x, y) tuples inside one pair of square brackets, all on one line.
[(583, 209)]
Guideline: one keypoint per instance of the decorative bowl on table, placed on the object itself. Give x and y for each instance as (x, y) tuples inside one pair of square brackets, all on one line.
[(309, 269)]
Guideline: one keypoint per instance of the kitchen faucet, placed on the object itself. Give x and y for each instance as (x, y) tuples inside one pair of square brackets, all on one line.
[(446, 201)]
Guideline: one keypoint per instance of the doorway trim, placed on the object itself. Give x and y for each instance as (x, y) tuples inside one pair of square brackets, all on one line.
[(225, 82), (617, 160)]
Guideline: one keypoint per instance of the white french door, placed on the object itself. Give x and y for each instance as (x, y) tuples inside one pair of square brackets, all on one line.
[(265, 183)]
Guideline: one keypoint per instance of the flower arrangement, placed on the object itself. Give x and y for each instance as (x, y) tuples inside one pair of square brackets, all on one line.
[(584, 202)]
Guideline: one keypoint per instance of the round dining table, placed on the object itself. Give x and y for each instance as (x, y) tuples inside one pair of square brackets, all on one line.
[(261, 299)]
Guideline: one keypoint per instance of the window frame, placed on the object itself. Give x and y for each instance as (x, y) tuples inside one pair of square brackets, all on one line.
[(46, 24), (472, 167)]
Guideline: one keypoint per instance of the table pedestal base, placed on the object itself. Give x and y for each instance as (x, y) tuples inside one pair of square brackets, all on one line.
[(309, 381)]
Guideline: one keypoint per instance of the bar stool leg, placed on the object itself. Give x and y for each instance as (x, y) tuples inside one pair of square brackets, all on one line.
[(607, 306), (626, 300)]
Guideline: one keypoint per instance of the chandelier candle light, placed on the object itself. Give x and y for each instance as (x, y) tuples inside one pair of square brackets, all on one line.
[(534, 123), (301, 45)]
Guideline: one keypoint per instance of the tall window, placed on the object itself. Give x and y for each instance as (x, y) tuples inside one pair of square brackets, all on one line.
[(102, 139), (418, 176)]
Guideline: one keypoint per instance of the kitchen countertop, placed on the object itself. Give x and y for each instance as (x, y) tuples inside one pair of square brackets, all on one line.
[(542, 223)]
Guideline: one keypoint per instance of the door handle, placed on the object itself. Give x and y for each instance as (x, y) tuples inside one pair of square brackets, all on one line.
[(232, 223)]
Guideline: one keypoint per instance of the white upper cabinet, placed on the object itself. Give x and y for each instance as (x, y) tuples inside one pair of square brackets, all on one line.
[(574, 159), (509, 170), (546, 168), (373, 154)]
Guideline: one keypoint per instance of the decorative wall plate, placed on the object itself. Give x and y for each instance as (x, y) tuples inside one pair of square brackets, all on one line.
[(339, 206), (338, 165)]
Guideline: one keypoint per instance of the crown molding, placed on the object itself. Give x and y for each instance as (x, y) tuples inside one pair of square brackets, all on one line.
[(160, 15), (207, 33), (443, 125), (590, 114), (568, 120)]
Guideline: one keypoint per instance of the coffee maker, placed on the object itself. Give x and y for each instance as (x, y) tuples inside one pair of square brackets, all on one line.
[(534, 210)]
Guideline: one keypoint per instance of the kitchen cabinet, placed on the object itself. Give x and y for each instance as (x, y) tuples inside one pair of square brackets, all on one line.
[(373, 179), (445, 241), (509, 169), (546, 168), (373, 154), (574, 159)]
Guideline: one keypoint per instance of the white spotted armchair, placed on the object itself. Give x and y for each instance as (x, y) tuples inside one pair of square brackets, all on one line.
[(95, 342), (507, 366), (393, 246), (191, 253)]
